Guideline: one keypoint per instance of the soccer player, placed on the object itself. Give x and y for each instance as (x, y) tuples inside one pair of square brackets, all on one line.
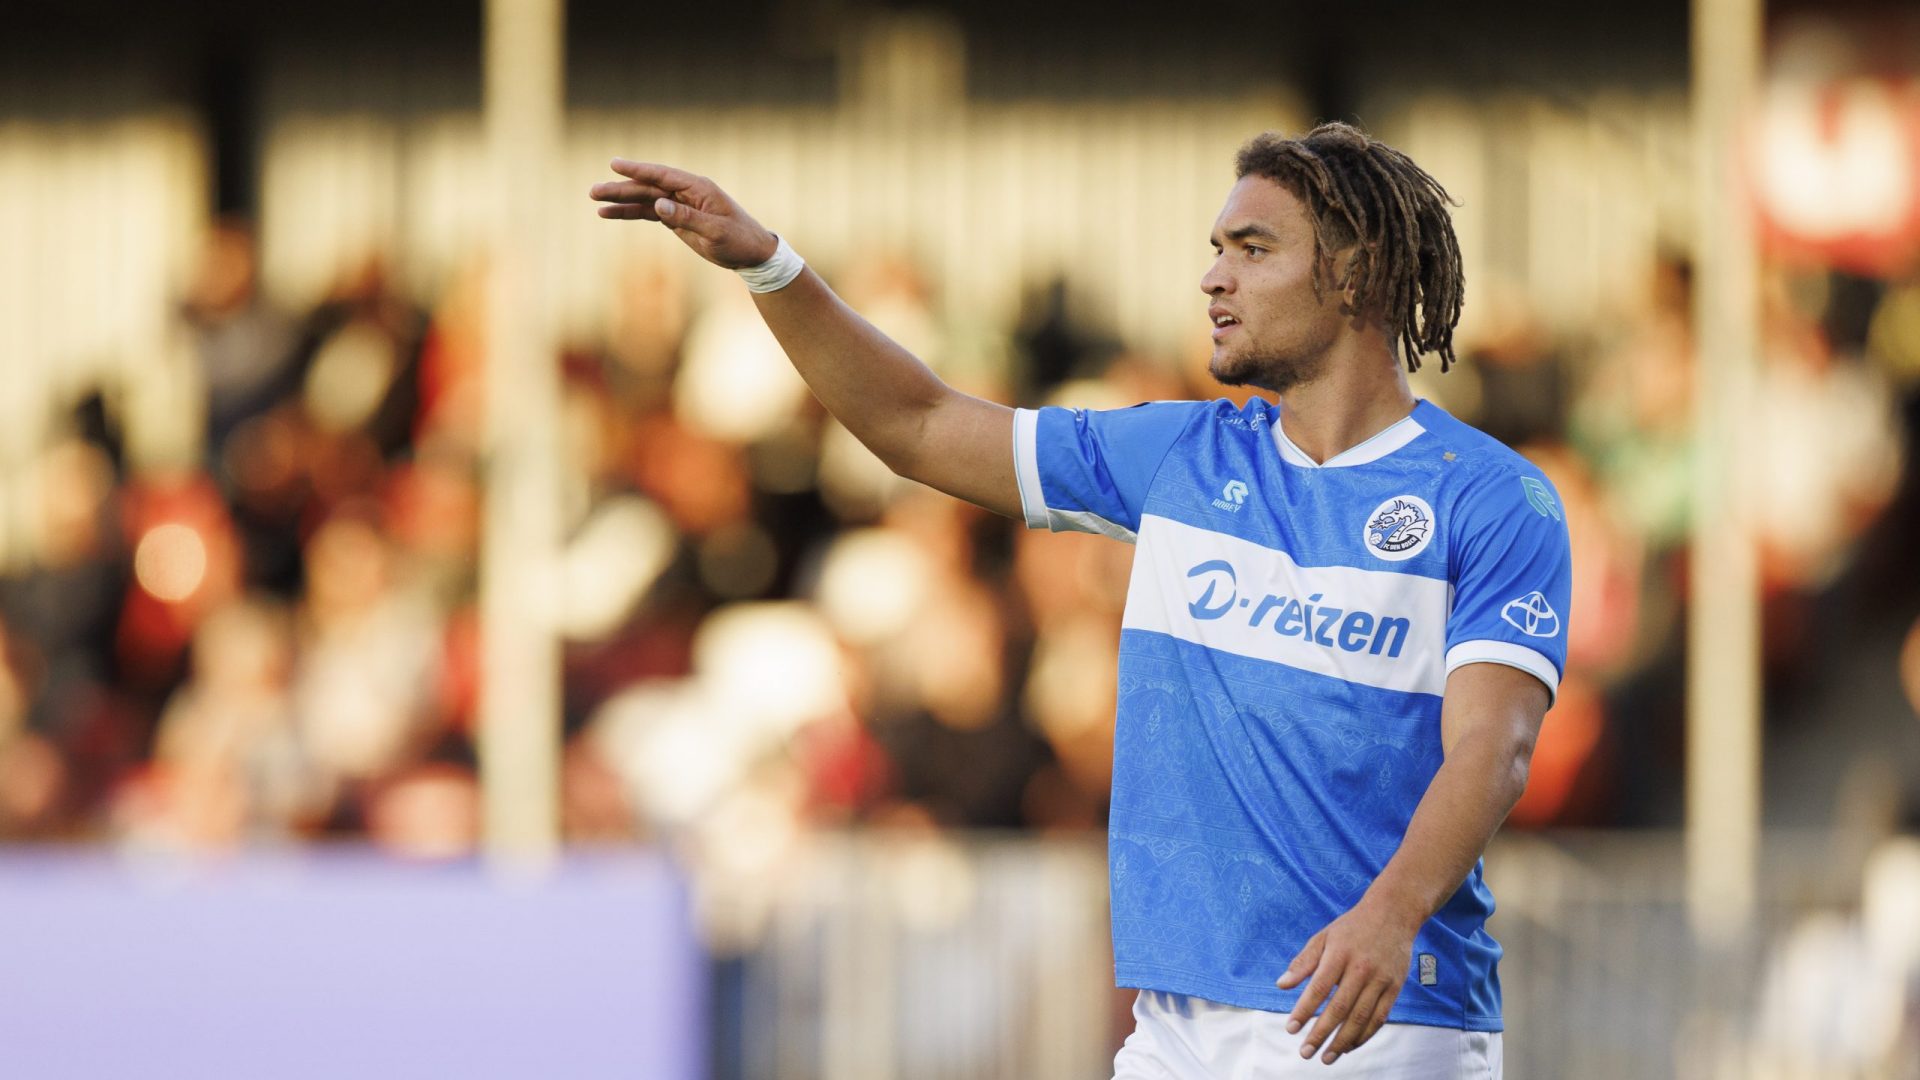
[(1346, 620)]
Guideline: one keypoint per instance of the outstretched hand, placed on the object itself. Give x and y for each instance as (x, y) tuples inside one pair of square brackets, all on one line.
[(1361, 959), (705, 218)]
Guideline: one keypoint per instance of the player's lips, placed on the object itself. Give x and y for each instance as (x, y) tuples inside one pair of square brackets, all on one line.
[(1223, 321)]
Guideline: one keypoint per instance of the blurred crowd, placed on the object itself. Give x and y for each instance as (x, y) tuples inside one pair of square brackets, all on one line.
[(763, 630)]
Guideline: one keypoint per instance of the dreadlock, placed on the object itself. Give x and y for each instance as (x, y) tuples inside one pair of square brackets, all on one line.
[(1366, 196)]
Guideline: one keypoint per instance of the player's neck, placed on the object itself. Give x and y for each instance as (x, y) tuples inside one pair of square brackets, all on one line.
[(1357, 398)]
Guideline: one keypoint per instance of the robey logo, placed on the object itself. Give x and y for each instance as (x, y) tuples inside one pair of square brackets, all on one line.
[(1232, 496)]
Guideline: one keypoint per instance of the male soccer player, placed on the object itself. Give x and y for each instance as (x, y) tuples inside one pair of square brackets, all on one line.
[(1346, 620)]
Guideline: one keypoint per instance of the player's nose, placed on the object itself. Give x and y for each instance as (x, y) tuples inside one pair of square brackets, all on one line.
[(1215, 281)]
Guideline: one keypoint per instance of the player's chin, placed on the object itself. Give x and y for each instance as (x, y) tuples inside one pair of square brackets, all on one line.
[(1228, 369)]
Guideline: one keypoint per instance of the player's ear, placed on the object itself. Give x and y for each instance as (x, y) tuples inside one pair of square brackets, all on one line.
[(1346, 269)]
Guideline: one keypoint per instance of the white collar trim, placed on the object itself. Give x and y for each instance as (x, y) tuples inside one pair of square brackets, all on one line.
[(1379, 445)]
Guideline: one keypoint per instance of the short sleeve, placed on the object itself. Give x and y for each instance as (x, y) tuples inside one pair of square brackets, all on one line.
[(1085, 470), (1513, 579)]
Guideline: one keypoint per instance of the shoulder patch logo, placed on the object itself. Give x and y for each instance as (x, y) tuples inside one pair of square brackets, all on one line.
[(1540, 498), (1532, 615), (1399, 528)]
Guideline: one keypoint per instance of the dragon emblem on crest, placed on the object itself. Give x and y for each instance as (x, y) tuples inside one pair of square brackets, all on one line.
[(1400, 527)]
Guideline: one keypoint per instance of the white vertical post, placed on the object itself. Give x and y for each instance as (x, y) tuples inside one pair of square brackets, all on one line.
[(1723, 631), (520, 665)]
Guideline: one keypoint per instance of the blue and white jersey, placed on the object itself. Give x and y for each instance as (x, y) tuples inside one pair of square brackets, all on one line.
[(1288, 634)]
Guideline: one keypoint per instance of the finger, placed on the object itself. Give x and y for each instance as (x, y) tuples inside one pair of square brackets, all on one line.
[(1324, 980), (1304, 963), (1380, 1014), (1354, 1030), (683, 218), (663, 176), (625, 191), (634, 212), (1331, 1019)]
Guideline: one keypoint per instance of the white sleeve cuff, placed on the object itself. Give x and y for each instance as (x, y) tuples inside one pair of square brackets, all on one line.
[(1026, 466), (1489, 651), (1033, 504)]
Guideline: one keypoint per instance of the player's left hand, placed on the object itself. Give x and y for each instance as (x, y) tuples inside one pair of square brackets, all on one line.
[(1361, 959)]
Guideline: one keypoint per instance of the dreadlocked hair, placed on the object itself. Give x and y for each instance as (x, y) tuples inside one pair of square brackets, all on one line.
[(1366, 196)]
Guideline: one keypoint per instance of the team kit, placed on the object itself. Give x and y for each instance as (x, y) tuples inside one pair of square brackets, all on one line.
[(1287, 636)]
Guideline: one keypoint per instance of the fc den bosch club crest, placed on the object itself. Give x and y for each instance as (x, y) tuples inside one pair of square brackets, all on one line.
[(1399, 528)]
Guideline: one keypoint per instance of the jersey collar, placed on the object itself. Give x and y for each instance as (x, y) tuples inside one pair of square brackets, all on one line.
[(1379, 445)]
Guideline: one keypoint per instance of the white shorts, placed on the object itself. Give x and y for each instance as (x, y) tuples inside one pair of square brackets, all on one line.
[(1176, 1037)]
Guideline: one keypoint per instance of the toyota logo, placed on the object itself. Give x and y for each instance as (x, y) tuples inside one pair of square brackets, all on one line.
[(1532, 616)]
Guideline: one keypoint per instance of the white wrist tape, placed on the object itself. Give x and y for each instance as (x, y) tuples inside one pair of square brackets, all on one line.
[(776, 273)]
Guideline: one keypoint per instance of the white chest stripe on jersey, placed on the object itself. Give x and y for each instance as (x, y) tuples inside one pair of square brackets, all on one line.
[(1372, 627)]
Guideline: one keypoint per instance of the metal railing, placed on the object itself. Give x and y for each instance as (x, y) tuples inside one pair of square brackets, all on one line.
[(941, 957)]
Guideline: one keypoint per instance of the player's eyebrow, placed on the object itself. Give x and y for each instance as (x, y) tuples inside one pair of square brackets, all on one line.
[(1251, 232)]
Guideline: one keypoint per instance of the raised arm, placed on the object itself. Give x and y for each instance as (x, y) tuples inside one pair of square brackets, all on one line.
[(922, 428)]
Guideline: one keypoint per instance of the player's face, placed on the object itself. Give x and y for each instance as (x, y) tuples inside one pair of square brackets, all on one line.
[(1270, 330)]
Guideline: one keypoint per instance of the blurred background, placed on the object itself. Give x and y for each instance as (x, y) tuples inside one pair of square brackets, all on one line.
[(428, 608)]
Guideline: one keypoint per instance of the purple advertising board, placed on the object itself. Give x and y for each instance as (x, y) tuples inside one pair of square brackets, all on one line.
[(341, 963)]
